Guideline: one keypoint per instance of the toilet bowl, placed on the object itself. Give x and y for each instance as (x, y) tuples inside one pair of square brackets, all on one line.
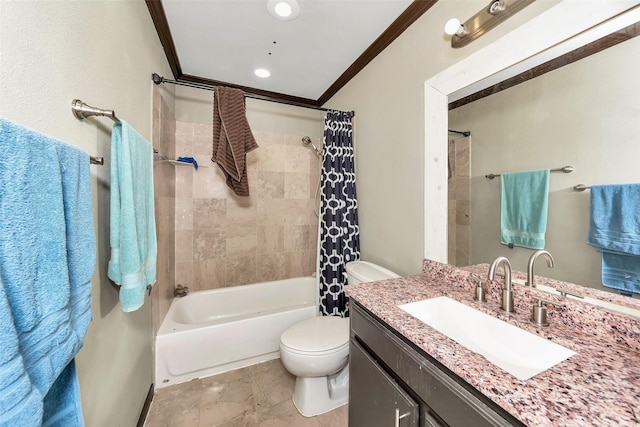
[(316, 351)]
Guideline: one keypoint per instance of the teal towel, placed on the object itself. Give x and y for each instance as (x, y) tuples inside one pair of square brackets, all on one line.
[(614, 230), (133, 226), (47, 259), (524, 205)]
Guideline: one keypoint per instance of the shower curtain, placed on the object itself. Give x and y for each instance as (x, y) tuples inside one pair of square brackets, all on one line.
[(339, 231)]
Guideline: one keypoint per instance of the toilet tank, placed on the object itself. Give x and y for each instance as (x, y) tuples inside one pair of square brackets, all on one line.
[(363, 271)]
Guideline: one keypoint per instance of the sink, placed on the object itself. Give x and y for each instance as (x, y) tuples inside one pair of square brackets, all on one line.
[(520, 353)]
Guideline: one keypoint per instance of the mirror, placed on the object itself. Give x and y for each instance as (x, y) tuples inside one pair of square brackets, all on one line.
[(585, 114), (522, 45)]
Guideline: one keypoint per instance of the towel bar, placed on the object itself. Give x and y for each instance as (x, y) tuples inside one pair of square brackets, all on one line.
[(580, 187), (565, 169), (82, 110)]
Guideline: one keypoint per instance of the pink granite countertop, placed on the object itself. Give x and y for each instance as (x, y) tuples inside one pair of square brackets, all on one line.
[(598, 386)]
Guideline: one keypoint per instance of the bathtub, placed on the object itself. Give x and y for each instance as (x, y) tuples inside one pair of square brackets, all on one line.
[(210, 332)]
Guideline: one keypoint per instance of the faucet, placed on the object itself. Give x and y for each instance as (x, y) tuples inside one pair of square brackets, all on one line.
[(507, 289), (180, 291), (532, 260)]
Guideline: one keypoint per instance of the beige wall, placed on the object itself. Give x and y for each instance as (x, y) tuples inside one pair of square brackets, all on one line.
[(388, 97), (584, 115), (102, 52)]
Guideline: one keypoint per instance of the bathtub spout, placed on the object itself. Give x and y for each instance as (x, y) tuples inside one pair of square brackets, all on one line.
[(180, 291)]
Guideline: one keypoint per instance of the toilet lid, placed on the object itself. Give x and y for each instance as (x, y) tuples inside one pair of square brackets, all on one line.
[(317, 334)]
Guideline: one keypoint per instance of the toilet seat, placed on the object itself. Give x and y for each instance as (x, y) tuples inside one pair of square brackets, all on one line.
[(317, 336)]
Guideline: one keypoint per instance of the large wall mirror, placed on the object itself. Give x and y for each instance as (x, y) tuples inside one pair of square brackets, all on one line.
[(585, 114)]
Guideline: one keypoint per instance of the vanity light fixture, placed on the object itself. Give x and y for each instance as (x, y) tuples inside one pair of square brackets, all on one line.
[(283, 10), (496, 12)]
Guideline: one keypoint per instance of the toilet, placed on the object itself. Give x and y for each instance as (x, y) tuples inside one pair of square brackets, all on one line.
[(316, 351)]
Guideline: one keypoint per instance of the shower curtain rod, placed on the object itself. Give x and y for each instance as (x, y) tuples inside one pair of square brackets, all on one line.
[(157, 79)]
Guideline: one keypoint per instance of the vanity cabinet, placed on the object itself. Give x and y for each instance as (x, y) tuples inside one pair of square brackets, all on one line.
[(394, 384)]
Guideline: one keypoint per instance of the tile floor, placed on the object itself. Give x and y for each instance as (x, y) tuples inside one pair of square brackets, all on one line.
[(258, 395)]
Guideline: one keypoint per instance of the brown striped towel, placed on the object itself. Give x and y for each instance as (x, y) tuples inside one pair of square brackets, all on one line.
[(232, 137)]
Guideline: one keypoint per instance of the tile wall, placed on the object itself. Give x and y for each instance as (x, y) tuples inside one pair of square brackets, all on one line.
[(459, 201), (224, 240), (163, 139)]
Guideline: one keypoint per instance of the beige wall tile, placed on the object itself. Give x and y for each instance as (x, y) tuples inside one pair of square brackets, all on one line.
[(297, 211), (271, 211), (241, 270), (296, 238), (184, 246), (241, 240), (271, 266), (270, 239), (184, 274), (267, 185), (209, 214), (184, 181), (270, 158), (210, 274), (297, 158), (184, 213), (296, 185), (209, 182), (209, 243), (242, 210)]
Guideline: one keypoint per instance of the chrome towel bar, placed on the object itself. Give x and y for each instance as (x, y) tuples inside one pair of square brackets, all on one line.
[(565, 169)]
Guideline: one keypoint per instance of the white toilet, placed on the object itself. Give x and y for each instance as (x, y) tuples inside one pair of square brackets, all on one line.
[(316, 351)]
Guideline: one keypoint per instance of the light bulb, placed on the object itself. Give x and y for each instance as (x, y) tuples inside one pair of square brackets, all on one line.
[(454, 27)]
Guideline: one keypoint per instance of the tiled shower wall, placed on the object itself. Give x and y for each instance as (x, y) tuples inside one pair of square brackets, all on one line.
[(224, 240), (459, 201), (163, 138)]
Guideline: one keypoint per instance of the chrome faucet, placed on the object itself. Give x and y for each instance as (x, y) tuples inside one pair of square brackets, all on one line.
[(507, 289), (532, 260), (180, 291)]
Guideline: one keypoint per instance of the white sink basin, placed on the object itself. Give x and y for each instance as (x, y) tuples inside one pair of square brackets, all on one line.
[(520, 353)]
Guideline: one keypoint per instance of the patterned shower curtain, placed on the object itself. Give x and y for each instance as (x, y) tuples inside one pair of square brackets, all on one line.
[(339, 231)]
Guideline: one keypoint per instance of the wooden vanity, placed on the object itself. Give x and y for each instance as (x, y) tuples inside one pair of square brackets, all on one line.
[(404, 373)]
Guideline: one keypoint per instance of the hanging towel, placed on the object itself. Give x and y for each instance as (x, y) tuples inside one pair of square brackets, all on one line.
[(133, 226), (614, 230), (47, 258), (524, 204), (232, 137)]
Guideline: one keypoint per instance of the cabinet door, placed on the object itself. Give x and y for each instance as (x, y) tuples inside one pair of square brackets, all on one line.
[(375, 399)]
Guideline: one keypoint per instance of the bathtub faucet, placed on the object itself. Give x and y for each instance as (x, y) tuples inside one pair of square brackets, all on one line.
[(180, 291)]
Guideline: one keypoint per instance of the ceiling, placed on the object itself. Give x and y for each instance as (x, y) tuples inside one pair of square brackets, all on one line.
[(310, 58)]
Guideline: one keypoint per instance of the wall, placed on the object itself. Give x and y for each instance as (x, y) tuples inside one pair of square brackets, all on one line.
[(226, 240), (164, 176), (102, 52), (584, 115), (458, 190), (388, 97)]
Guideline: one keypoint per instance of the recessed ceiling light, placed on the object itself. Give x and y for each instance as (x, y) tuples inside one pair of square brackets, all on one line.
[(262, 73), (284, 10)]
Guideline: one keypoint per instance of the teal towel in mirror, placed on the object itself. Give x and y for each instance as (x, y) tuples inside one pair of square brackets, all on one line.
[(524, 206)]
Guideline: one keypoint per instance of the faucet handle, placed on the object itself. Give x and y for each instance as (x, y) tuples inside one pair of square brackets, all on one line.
[(480, 291), (539, 314)]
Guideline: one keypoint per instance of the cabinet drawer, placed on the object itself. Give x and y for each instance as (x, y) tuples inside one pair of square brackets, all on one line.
[(451, 401)]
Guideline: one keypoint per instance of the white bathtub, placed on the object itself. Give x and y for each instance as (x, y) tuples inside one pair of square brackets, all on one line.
[(210, 332)]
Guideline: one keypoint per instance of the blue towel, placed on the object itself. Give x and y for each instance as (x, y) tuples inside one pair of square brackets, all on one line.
[(133, 226), (524, 205), (614, 230), (47, 258)]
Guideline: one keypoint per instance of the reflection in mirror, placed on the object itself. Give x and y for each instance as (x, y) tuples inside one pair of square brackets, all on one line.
[(585, 114)]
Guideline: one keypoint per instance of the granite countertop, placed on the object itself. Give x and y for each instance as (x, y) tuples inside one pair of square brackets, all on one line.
[(599, 386)]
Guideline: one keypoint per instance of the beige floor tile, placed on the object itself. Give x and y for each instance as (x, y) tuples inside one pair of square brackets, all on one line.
[(256, 396)]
